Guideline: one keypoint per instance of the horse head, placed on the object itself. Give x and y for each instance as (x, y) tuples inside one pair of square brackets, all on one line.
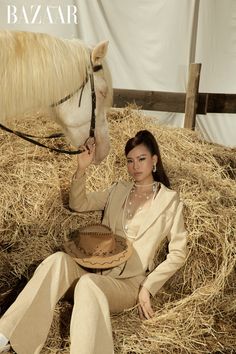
[(74, 115), (39, 70)]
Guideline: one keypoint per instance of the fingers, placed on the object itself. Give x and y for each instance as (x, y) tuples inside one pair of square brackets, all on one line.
[(87, 156), (145, 311), (144, 305), (90, 141), (140, 312), (87, 149), (90, 144), (90, 148)]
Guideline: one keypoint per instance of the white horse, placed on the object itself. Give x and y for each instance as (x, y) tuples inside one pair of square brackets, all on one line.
[(38, 70)]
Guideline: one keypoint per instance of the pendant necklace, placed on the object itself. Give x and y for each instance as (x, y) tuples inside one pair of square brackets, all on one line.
[(135, 201)]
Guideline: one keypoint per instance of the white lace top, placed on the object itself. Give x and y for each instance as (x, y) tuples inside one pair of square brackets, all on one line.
[(131, 227)]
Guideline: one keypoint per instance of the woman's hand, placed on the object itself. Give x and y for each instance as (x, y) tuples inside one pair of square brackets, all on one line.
[(144, 307), (86, 157)]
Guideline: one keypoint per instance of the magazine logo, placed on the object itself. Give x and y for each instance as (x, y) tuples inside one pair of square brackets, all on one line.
[(37, 14)]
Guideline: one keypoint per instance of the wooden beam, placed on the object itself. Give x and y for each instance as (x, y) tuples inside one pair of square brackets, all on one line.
[(157, 100), (221, 103), (191, 100), (216, 103), (175, 101), (150, 100)]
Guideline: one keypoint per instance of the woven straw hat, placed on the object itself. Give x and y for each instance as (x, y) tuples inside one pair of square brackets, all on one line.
[(96, 246)]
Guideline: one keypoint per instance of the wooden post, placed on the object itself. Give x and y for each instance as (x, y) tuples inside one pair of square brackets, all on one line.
[(191, 100)]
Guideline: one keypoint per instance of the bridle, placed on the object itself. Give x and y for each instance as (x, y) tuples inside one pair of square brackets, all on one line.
[(27, 137)]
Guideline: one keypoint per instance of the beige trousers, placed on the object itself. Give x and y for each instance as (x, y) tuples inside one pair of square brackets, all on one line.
[(27, 322)]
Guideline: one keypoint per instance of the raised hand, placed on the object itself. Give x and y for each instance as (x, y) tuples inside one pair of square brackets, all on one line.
[(86, 157)]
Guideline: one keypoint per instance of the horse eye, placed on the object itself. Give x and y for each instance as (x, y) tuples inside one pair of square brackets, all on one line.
[(97, 68)]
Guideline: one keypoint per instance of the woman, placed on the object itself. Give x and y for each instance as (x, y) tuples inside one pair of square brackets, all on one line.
[(145, 212)]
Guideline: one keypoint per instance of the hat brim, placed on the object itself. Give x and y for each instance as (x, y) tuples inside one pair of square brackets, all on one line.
[(121, 254)]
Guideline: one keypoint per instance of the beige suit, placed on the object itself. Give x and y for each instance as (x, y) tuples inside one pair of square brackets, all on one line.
[(164, 219), (28, 320)]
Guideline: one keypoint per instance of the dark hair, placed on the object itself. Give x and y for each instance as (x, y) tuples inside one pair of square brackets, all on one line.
[(146, 138)]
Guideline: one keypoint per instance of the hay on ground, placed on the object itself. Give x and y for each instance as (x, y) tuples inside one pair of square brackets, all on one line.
[(196, 309)]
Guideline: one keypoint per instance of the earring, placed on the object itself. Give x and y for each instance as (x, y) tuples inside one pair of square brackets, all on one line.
[(154, 168)]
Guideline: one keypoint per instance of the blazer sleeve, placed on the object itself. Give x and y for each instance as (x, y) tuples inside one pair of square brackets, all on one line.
[(81, 201), (176, 256)]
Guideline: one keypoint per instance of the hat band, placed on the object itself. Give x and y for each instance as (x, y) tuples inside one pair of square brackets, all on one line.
[(97, 253)]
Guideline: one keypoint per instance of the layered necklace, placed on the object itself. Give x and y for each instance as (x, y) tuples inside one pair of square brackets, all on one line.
[(139, 197)]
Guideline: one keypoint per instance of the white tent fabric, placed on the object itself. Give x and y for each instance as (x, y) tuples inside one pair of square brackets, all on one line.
[(152, 43), (216, 50), (141, 35), (151, 46)]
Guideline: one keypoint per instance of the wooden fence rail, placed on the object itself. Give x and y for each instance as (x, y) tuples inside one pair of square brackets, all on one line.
[(191, 103)]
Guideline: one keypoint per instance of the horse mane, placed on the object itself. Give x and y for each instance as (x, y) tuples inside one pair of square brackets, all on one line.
[(37, 70)]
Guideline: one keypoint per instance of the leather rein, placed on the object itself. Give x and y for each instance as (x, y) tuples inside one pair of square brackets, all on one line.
[(28, 137)]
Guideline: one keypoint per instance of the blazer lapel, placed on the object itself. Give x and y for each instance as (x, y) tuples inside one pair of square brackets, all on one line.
[(160, 203), (117, 201)]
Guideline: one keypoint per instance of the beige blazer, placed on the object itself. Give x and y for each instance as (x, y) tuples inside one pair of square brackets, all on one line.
[(164, 220)]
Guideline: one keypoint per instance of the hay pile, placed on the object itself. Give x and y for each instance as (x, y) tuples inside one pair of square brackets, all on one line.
[(196, 309)]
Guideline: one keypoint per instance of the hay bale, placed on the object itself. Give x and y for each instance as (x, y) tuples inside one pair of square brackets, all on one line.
[(196, 309)]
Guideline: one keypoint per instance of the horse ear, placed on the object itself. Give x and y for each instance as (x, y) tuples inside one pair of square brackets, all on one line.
[(99, 52)]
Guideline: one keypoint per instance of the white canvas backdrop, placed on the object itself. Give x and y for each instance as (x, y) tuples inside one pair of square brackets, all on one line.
[(216, 50), (151, 42)]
